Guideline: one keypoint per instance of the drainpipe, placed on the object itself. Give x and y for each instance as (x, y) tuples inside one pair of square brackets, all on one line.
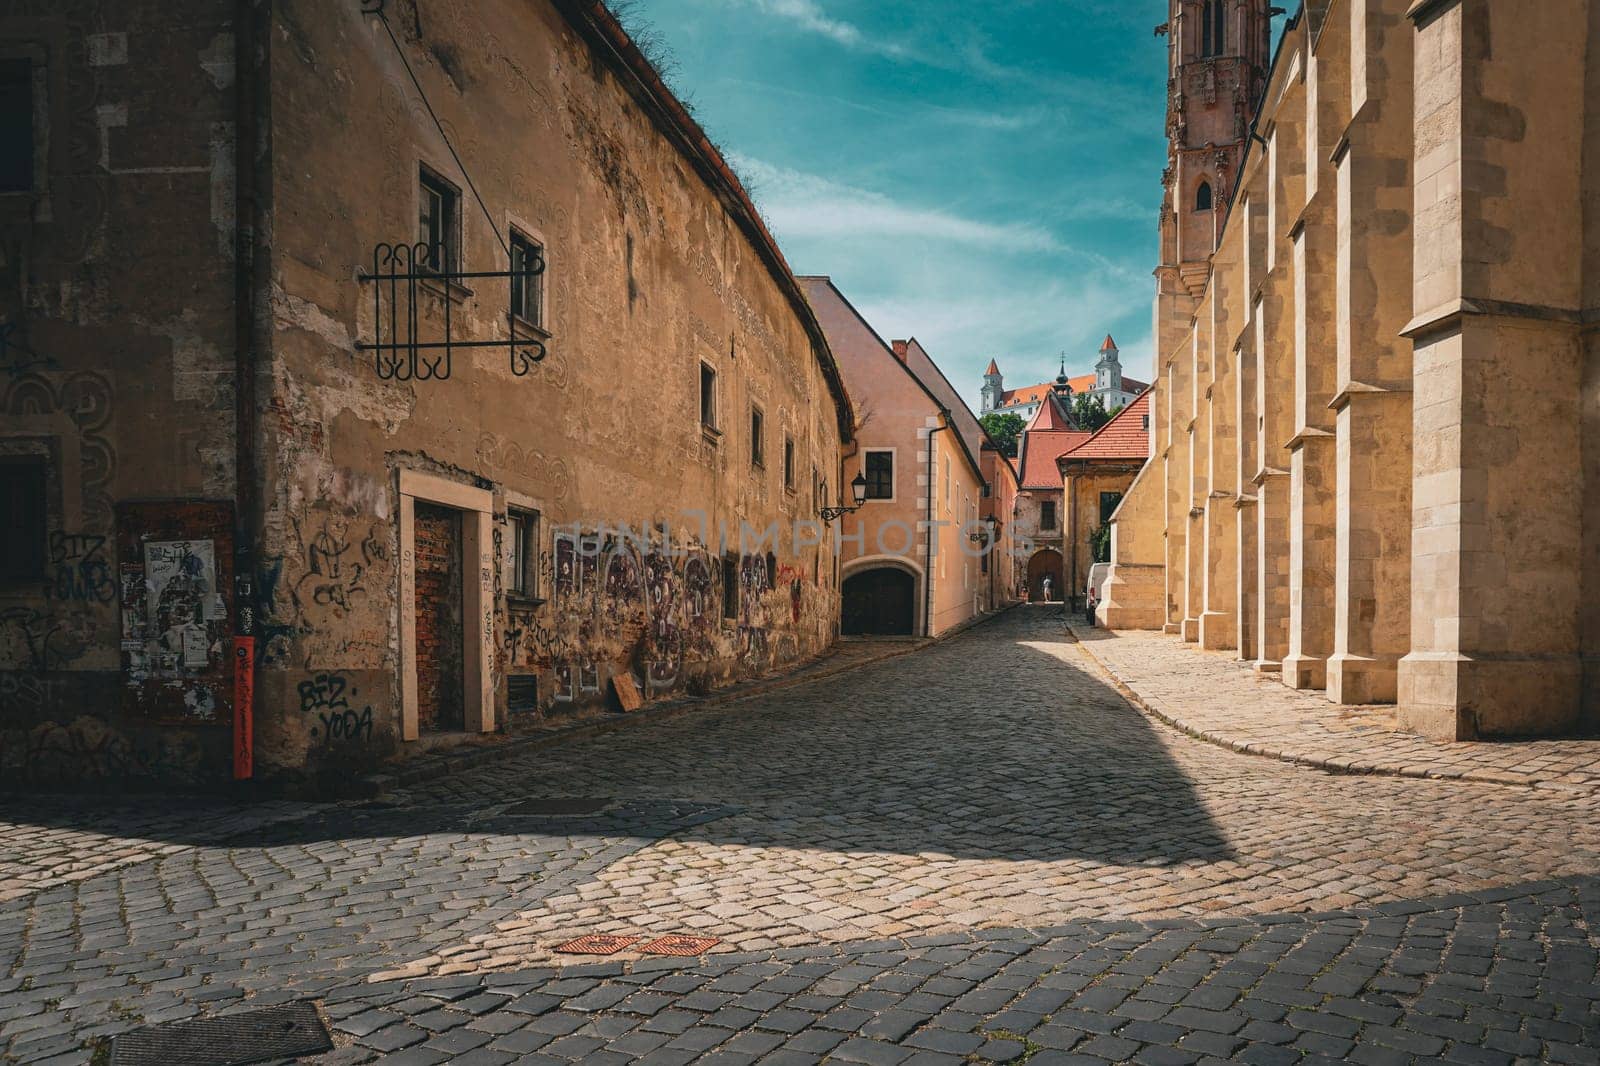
[(927, 565), (250, 99)]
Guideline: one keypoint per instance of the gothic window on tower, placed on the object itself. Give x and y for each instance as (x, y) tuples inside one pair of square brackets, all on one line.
[(1213, 28), (1203, 197)]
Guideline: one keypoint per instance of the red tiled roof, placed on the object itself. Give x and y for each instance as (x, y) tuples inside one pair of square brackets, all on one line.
[(1081, 383), (1051, 415), (1124, 437), (994, 368), (1110, 345), (1041, 449)]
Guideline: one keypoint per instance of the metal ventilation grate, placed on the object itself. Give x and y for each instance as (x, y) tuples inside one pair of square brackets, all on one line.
[(285, 1031), (522, 693)]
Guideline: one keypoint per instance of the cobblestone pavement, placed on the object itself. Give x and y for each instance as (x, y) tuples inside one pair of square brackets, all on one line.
[(66, 839), (1220, 699), (979, 849)]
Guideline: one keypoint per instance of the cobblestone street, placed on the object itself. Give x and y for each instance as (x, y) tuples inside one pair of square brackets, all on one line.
[(976, 850)]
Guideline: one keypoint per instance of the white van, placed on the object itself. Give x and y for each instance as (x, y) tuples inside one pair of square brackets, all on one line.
[(1099, 578)]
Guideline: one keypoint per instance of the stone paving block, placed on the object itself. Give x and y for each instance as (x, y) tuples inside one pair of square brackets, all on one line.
[(1228, 896)]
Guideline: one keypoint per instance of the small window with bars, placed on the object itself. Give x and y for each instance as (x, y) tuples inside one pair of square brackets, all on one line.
[(878, 466), (730, 587), (522, 581), (439, 222), (527, 280)]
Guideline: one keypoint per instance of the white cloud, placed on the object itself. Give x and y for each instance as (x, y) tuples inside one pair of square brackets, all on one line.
[(967, 288), (809, 16), (806, 206)]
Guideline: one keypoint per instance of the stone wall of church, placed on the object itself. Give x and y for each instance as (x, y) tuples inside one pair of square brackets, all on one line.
[(1382, 405)]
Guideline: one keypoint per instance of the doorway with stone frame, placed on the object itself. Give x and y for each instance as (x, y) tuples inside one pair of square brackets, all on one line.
[(447, 572)]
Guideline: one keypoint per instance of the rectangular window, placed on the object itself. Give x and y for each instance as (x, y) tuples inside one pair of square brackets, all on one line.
[(1047, 515), (527, 279), (22, 534), (879, 469), (1144, 423), (16, 125), (708, 397), (758, 447), (788, 463), (439, 222), (523, 581), (730, 587)]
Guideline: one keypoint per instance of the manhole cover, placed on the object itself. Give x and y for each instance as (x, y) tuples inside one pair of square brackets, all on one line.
[(680, 945), (282, 1032), (598, 945), (561, 805)]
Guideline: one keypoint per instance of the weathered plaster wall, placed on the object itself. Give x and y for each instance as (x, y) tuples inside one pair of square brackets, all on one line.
[(116, 302), (934, 480), (648, 276)]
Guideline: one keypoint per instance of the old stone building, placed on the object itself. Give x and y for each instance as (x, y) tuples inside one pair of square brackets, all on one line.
[(1377, 415), (908, 565), (1039, 520), (432, 347), (1095, 475)]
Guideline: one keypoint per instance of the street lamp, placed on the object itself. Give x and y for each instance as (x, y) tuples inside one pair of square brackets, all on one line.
[(858, 489)]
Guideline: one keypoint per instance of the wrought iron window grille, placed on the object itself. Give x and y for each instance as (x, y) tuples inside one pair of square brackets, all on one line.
[(405, 285)]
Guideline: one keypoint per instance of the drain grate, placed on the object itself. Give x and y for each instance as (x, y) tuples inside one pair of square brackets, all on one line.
[(685, 946), (598, 945), (285, 1031), (561, 805)]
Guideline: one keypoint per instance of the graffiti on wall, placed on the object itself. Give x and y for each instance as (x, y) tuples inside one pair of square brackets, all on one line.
[(336, 570), (39, 640), (326, 699), (635, 604), (80, 569)]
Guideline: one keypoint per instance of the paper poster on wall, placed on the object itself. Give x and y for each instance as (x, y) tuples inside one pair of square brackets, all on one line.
[(176, 569), (180, 580)]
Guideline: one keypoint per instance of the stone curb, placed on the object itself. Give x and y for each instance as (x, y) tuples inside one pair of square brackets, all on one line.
[(1344, 765), (468, 758)]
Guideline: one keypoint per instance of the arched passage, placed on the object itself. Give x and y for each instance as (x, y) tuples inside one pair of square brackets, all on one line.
[(879, 601), (1045, 562)]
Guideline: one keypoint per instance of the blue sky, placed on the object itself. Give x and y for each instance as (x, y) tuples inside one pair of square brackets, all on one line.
[(984, 176)]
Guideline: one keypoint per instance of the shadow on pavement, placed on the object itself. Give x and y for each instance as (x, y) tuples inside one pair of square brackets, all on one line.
[(996, 744)]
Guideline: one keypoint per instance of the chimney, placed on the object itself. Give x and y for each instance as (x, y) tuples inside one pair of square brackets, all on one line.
[(899, 349)]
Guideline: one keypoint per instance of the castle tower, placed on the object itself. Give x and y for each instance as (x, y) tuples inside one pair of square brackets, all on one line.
[(1219, 52), (1108, 371), (993, 387)]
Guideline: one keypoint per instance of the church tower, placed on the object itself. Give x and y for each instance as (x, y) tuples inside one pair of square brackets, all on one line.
[(1108, 371), (993, 387), (1219, 55)]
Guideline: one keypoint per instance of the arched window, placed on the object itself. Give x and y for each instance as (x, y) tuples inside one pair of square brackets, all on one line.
[(1203, 197), (1213, 28)]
